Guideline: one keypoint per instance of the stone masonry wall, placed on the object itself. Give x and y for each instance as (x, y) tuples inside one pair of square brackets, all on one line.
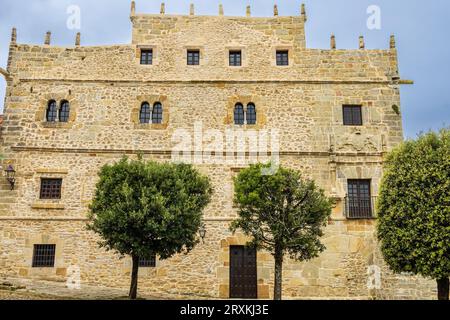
[(105, 87)]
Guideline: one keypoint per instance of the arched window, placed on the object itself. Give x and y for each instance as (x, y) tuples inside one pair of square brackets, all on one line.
[(52, 111), (145, 114), (239, 114), (157, 113), (251, 114), (64, 111)]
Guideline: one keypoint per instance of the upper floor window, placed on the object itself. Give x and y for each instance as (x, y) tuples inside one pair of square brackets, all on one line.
[(44, 255), (145, 113), (50, 188), (251, 114), (64, 111), (52, 111), (244, 115), (282, 57), (352, 115), (157, 113), (146, 56), (193, 57), (239, 114), (236, 58), (55, 113), (359, 201)]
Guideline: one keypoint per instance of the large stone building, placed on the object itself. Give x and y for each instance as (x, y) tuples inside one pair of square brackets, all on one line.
[(333, 114)]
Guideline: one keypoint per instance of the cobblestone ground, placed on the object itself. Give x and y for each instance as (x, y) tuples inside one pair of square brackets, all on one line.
[(22, 289), (23, 295)]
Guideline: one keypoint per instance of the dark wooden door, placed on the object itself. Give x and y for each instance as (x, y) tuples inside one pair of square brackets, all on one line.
[(243, 275)]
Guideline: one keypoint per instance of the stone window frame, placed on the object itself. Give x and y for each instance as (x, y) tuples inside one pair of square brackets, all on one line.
[(151, 99), (356, 171), (244, 62), (41, 114), (338, 114), (245, 100), (155, 55), (200, 49), (43, 238), (289, 49), (49, 204)]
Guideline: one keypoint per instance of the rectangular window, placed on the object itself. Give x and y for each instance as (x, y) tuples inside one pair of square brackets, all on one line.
[(235, 58), (193, 57), (50, 188), (359, 201), (148, 262), (147, 56), (282, 58), (44, 256), (352, 115)]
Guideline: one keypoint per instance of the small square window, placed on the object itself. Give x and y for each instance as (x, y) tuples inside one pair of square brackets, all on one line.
[(147, 56), (44, 256), (50, 188), (236, 58), (193, 57), (148, 262), (282, 58), (352, 115)]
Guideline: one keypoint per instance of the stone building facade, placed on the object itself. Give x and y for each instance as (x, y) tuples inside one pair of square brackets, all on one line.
[(299, 95)]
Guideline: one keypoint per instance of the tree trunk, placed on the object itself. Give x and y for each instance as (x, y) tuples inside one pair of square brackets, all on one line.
[(278, 274), (443, 288), (134, 278)]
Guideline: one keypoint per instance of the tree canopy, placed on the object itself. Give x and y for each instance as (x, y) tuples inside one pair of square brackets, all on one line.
[(282, 212), (414, 207), (145, 208)]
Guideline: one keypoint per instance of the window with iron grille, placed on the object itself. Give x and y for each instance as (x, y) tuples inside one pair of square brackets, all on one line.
[(352, 115), (193, 57), (251, 114), (359, 201), (282, 58), (148, 262), (52, 111), (239, 114), (147, 56), (44, 256), (145, 113), (235, 58), (157, 113), (64, 111), (50, 188)]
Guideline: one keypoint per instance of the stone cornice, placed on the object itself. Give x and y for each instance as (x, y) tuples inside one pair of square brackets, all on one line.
[(169, 152), (220, 81)]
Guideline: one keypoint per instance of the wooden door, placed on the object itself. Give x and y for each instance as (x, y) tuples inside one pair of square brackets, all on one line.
[(243, 274)]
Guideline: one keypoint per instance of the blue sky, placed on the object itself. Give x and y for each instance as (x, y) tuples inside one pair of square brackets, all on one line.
[(421, 29)]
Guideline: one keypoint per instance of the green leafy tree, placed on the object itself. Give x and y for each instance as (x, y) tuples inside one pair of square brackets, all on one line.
[(414, 209), (283, 213), (144, 208)]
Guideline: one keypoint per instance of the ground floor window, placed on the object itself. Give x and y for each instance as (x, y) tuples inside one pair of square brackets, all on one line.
[(148, 262), (44, 255)]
